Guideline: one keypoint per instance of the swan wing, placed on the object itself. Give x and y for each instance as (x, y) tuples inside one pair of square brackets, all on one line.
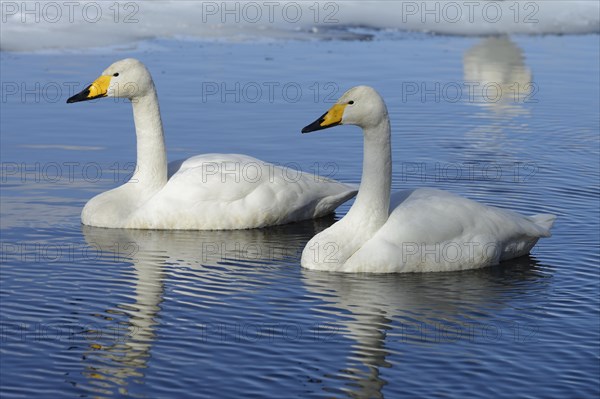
[(231, 191), (434, 230)]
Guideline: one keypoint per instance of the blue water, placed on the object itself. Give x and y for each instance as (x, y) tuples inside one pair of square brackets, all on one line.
[(112, 313)]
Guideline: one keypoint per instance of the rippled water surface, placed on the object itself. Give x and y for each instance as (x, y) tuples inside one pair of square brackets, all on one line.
[(109, 313)]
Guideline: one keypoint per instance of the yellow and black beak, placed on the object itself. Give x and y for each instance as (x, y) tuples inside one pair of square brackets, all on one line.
[(97, 89), (331, 118)]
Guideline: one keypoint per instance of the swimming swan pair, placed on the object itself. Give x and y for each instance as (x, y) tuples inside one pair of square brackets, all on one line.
[(408, 231)]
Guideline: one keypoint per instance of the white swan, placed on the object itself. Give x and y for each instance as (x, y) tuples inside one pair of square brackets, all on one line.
[(204, 192), (422, 230)]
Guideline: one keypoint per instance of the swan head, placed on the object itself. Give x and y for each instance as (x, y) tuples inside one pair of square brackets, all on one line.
[(126, 78), (361, 106)]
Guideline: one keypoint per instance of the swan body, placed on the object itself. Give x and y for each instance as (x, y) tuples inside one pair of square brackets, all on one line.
[(420, 230), (204, 192)]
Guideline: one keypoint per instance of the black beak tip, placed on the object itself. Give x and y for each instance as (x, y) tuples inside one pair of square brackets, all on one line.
[(316, 125), (81, 96)]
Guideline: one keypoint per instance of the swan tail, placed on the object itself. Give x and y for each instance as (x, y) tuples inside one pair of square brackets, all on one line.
[(545, 221), (328, 204)]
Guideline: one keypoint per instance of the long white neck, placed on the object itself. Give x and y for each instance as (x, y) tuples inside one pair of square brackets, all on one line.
[(151, 168), (372, 203)]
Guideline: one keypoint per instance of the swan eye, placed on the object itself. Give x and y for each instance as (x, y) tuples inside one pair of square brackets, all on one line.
[(351, 102), (116, 74)]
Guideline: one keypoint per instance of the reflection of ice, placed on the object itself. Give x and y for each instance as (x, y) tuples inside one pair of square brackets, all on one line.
[(378, 312), (495, 68), (225, 262), (44, 194)]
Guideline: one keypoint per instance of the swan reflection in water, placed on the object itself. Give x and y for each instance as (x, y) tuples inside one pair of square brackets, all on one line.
[(388, 314), (221, 260), (379, 314), (502, 82), (504, 92)]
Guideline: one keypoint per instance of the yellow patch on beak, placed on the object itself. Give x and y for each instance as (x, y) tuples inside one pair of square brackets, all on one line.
[(99, 87), (334, 115)]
